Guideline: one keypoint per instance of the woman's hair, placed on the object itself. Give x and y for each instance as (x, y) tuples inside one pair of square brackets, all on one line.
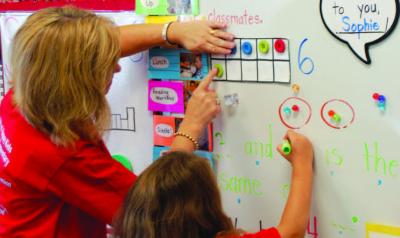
[(62, 64), (176, 197)]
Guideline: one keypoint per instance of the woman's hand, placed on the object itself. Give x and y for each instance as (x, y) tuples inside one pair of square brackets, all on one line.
[(202, 36), (202, 107)]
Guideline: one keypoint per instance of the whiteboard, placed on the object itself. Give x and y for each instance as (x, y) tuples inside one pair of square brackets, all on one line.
[(130, 132), (356, 161), (351, 198)]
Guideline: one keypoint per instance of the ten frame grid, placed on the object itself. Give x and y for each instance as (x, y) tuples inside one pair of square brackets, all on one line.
[(272, 67)]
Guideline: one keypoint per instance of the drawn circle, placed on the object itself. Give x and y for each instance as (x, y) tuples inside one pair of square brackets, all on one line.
[(137, 57), (343, 108), (296, 120), (12, 24), (150, 4)]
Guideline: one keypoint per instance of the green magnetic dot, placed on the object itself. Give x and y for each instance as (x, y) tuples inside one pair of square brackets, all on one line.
[(220, 70), (124, 161), (337, 118), (354, 219), (263, 46)]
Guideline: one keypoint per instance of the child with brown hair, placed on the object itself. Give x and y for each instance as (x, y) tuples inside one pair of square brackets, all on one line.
[(178, 197)]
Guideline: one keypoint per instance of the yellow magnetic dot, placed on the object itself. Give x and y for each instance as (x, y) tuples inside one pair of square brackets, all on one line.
[(295, 88)]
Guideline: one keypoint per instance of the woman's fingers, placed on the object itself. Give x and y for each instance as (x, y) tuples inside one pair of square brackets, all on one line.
[(220, 42), (223, 35), (214, 49), (205, 83)]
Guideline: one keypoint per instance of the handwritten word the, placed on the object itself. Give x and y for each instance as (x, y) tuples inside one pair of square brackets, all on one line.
[(374, 161)]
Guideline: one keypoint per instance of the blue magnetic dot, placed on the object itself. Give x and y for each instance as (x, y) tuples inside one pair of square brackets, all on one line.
[(247, 48), (382, 106), (233, 51), (379, 182), (382, 98), (238, 200), (287, 111)]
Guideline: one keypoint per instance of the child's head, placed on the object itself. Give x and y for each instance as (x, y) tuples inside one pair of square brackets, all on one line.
[(62, 65), (176, 197)]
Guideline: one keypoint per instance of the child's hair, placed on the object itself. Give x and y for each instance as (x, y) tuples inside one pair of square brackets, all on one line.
[(62, 64), (176, 197)]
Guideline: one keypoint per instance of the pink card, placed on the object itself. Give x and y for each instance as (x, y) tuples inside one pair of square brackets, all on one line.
[(166, 96)]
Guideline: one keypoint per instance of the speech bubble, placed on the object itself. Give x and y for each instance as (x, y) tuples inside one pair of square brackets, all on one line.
[(360, 23)]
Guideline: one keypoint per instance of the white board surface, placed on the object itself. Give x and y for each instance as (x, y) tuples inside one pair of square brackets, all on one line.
[(356, 168)]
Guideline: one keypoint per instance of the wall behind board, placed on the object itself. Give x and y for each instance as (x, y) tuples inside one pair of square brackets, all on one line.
[(357, 170)]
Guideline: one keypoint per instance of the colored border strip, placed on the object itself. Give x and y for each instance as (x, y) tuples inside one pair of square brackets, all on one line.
[(110, 5), (383, 229)]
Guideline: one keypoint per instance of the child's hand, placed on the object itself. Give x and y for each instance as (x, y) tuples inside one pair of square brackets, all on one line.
[(302, 154), (297, 210)]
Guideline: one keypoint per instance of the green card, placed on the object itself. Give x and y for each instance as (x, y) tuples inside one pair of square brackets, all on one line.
[(167, 7)]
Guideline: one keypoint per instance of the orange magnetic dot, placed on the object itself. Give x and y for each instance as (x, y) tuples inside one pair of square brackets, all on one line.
[(295, 88)]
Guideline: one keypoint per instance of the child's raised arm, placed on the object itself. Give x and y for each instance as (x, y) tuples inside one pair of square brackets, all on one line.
[(297, 210)]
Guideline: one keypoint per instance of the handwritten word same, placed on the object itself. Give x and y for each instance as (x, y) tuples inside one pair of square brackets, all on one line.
[(242, 185)]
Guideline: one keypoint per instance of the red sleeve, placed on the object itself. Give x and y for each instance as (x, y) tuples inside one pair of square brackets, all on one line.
[(268, 233), (93, 182)]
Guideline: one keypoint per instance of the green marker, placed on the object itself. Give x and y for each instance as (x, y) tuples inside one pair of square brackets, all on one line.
[(286, 147), (124, 161)]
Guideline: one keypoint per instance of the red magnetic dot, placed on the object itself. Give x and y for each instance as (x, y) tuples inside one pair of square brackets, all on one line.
[(331, 113), (295, 108), (280, 46), (376, 96)]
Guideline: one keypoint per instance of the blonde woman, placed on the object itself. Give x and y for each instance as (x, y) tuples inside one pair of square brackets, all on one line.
[(57, 179)]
